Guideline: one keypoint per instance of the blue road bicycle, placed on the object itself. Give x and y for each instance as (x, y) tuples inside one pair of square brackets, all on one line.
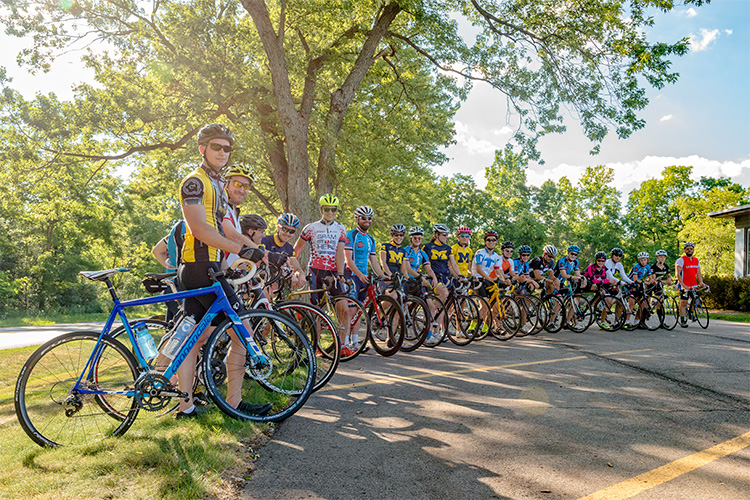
[(85, 386)]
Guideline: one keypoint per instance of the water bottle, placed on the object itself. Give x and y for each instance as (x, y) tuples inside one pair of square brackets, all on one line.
[(182, 331), (145, 340)]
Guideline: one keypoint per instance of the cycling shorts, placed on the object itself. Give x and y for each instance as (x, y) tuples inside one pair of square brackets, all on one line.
[(318, 281), (192, 275), (358, 289)]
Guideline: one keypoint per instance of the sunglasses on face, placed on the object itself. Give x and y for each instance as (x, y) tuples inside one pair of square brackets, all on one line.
[(329, 209), (242, 185), (574, 254), (507, 249), (220, 147), (365, 217), (463, 235), (600, 260), (289, 231), (491, 240), (442, 234), (397, 235), (525, 254)]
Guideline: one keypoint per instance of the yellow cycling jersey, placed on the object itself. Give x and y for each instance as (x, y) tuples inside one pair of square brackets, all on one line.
[(200, 188), (463, 257)]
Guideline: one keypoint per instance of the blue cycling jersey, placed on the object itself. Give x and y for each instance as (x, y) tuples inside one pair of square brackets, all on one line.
[(639, 272), (569, 265), (174, 241), (362, 246), (521, 267), (415, 257)]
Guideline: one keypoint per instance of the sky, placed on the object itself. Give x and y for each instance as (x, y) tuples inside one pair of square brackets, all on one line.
[(703, 120)]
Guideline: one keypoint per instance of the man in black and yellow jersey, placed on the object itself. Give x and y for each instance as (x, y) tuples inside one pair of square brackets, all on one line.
[(462, 252), (204, 204)]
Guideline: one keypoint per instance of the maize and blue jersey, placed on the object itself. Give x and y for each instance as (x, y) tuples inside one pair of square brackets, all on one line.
[(362, 246), (521, 267), (394, 256), (439, 256), (639, 272), (272, 244), (415, 257), (570, 267)]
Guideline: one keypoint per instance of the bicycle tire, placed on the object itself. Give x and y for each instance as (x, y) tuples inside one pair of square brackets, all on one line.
[(41, 404), (701, 313), (615, 314), (530, 316), (542, 316), (439, 322), (507, 319), (635, 314), (285, 382), (649, 316), (485, 317), (670, 313), (463, 312), (418, 321), (322, 333), (359, 334), (580, 318), (387, 325), (555, 319)]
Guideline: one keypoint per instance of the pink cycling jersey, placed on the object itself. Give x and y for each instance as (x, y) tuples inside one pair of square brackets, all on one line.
[(324, 239), (597, 275)]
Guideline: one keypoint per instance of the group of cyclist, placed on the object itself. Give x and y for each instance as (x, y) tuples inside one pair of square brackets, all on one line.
[(213, 234)]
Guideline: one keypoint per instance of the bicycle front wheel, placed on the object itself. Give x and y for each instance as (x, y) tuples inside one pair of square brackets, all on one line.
[(268, 389), (387, 325), (418, 320), (701, 313), (463, 317), (53, 412), (649, 313), (669, 313)]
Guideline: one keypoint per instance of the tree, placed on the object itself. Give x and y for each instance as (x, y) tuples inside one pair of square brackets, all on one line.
[(290, 74)]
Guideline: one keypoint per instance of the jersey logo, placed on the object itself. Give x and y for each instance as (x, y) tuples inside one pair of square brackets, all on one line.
[(463, 257), (360, 244), (396, 257), (439, 254), (192, 188)]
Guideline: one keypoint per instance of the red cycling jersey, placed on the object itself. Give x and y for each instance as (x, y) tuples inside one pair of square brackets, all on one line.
[(690, 267)]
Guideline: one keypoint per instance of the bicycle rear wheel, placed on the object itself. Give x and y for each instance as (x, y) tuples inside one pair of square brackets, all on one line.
[(701, 313), (529, 306), (507, 319), (485, 317), (577, 313), (669, 313), (387, 325), (608, 317), (555, 313), (649, 315), (418, 320), (321, 332), (439, 322), (359, 332), (53, 414), (462, 312), (283, 379)]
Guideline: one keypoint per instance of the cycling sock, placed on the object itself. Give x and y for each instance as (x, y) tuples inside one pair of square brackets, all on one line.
[(346, 340), (355, 339), (189, 410)]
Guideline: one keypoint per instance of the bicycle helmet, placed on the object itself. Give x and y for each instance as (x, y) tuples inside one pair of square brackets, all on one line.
[(288, 219), (398, 229), (463, 230), (364, 211), (617, 251), (328, 200), (440, 228), (524, 249), (215, 131), (487, 234), (237, 169), (416, 231), (507, 244), (574, 248), (643, 255), (659, 253), (688, 244), (600, 255), (252, 222), (550, 250)]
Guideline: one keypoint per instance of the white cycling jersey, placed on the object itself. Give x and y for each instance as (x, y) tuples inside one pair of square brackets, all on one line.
[(613, 268)]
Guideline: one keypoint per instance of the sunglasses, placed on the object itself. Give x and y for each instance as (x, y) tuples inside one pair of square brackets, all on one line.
[(525, 255), (329, 209), (600, 260), (507, 249), (242, 185), (574, 254), (365, 217), (220, 147), (289, 231), (464, 235), (491, 240), (443, 234), (400, 235)]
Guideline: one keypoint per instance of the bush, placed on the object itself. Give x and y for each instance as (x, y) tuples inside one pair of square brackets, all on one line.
[(728, 293)]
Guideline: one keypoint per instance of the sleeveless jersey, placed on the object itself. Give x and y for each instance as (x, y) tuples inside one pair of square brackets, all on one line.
[(505, 265), (489, 260), (201, 188), (415, 257), (439, 256), (639, 272), (362, 246), (463, 258), (324, 239), (394, 256), (690, 267), (272, 244)]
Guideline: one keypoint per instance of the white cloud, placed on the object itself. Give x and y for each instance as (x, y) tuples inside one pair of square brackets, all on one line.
[(703, 39), (728, 32), (691, 12), (471, 144), (665, 118), (506, 130)]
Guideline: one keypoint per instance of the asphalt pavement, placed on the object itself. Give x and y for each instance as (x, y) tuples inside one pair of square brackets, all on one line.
[(597, 415), (21, 336)]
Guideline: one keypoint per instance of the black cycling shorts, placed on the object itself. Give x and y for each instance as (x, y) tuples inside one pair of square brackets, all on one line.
[(194, 275)]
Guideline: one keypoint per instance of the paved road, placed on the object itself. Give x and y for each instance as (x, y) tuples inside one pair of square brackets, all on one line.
[(665, 415), (21, 336)]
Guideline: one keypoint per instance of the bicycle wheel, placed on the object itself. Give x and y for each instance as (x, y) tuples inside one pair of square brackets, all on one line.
[(669, 313), (485, 317), (649, 315), (553, 305), (608, 317), (387, 325), (462, 312), (633, 318), (507, 319), (359, 332), (531, 317), (52, 413), (577, 313), (418, 320), (439, 322), (321, 332), (284, 377), (701, 313)]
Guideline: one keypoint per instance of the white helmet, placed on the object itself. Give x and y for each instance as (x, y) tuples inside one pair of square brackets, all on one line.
[(659, 253), (364, 210), (644, 255), (550, 250), (440, 228)]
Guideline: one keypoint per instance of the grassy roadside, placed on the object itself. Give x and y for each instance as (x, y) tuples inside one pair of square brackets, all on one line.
[(157, 458), (738, 317)]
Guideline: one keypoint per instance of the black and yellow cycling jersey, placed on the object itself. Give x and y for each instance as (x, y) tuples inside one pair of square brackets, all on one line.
[(394, 256), (463, 257), (202, 188)]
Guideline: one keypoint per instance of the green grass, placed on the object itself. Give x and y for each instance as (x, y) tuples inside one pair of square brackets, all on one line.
[(55, 318), (157, 458), (731, 316)]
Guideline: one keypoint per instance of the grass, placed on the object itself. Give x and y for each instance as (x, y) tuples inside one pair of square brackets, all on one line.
[(157, 458), (738, 317), (54, 318)]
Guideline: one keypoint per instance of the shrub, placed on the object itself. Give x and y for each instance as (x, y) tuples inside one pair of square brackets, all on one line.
[(728, 293)]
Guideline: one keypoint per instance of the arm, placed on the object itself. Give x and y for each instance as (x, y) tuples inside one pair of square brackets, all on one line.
[(376, 265), (453, 267), (340, 258), (195, 216), (231, 233), (383, 254), (160, 253)]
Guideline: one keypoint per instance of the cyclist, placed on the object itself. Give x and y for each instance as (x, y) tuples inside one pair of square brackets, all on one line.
[(521, 268), (462, 252), (392, 255), (287, 225), (596, 273), (642, 270), (253, 227), (688, 272), (545, 263), (239, 180), (416, 257), (614, 266), (204, 205), (327, 239), (441, 259), (487, 266), (661, 269), (507, 268), (568, 269)]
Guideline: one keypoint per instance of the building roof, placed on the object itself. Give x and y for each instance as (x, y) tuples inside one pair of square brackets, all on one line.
[(731, 212)]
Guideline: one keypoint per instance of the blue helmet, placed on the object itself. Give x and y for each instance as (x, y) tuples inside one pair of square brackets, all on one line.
[(288, 219), (574, 248)]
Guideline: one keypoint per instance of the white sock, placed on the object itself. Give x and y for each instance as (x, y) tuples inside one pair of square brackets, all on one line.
[(190, 410), (346, 340), (355, 339)]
